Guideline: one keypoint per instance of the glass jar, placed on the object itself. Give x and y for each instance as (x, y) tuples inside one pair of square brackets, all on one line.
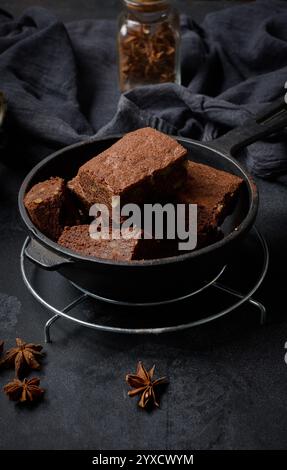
[(148, 43)]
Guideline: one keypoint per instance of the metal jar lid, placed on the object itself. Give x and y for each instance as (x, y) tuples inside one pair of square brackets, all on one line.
[(147, 5)]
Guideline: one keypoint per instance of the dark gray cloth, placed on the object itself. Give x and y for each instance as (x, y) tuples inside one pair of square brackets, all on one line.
[(61, 80)]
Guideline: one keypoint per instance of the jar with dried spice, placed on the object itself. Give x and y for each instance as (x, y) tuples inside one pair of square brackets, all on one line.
[(148, 43)]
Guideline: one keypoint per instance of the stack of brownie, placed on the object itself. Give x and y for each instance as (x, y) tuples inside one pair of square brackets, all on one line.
[(145, 166)]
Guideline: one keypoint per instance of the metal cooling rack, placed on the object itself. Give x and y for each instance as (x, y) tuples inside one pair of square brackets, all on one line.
[(238, 299)]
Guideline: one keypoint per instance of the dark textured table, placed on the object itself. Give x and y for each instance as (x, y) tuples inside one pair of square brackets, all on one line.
[(227, 380)]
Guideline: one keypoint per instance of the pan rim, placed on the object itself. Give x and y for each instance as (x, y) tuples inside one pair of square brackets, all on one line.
[(70, 256)]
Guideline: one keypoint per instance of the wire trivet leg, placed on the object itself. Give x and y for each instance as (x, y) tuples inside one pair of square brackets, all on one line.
[(52, 320), (259, 305), (263, 312), (47, 328)]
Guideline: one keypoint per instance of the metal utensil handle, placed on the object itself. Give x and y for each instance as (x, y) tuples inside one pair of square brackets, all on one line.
[(272, 119), (43, 257)]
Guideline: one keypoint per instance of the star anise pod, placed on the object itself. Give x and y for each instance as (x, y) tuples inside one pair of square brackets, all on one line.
[(26, 391), (143, 384), (23, 355)]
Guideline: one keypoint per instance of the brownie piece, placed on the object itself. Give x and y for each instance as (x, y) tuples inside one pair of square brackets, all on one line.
[(214, 191), (76, 190), (70, 213), (78, 239), (82, 202), (51, 208), (141, 166), (43, 203)]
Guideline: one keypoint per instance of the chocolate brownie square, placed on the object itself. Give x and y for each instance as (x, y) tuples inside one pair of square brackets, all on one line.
[(78, 239), (51, 208), (143, 165), (76, 190), (215, 192), (44, 202)]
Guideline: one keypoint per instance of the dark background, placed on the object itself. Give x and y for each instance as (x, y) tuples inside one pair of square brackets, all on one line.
[(228, 380), (82, 9)]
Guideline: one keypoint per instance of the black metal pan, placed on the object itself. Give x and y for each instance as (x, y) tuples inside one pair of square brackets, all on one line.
[(156, 280)]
